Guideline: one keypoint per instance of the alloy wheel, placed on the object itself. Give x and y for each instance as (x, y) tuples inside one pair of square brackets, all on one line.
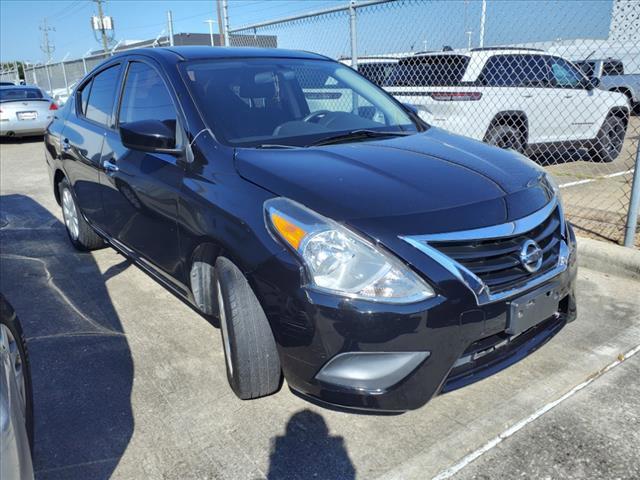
[(70, 214)]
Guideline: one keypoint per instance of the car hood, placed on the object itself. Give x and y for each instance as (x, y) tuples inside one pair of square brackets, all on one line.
[(425, 183)]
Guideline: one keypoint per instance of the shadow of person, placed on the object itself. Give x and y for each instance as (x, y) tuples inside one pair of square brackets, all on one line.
[(306, 450), (81, 364)]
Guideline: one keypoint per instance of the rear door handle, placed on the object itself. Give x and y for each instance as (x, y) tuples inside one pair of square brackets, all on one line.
[(110, 166), (527, 95)]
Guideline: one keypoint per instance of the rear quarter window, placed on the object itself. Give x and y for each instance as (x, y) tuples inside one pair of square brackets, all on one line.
[(429, 71)]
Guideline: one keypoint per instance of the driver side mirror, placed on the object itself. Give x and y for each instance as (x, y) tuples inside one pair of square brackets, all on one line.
[(149, 136), (590, 83)]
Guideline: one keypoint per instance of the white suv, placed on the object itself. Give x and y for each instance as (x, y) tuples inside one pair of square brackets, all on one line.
[(524, 99)]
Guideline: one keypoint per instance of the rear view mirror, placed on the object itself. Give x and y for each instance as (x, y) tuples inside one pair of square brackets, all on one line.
[(149, 136)]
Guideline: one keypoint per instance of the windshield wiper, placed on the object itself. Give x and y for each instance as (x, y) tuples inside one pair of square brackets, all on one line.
[(357, 135), (274, 145)]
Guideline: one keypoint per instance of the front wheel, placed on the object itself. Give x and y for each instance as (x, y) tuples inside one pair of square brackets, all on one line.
[(81, 235), (14, 356), (507, 137), (253, 365), (608, 143)]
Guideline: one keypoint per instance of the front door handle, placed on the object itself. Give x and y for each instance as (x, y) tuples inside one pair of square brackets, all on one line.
[(527, 95), (110, 166)]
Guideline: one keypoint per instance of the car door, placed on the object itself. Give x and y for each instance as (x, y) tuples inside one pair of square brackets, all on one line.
[(140, 189), (83, 136), (521, 83), (577, 106)]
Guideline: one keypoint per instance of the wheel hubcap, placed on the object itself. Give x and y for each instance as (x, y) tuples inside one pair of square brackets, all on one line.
[(9, 347), (225, 332), (70, 214)]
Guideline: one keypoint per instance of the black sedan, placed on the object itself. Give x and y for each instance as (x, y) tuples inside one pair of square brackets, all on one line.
[(341, 242)]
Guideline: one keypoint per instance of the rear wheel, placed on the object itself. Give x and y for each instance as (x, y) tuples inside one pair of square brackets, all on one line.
[(507, 137), (253, 365), (81, 235), (608, 143)]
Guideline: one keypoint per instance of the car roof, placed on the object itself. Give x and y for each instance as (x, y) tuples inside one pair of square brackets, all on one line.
[(484, 53), (197, 52), (21, 87)]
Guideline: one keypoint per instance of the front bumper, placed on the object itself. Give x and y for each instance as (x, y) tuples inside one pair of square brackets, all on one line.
[(359, 355)]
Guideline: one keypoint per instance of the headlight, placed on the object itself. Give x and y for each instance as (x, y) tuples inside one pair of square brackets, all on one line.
[(340, 261), (553, 185)]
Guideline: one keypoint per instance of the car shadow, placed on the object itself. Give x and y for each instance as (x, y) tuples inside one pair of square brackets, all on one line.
[(306, 450), (81, 364), (21, 140)]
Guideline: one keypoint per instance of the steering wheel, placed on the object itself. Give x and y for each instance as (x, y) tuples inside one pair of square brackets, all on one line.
[(315, 115)]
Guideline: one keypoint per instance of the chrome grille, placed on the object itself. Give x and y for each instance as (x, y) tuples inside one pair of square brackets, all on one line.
[(496, 262)]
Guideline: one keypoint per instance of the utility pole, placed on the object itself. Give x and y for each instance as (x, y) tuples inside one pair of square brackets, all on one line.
[(47, 46), (225, 22), (105, 41), (482, 22), (220, 24), (170, 27), (210, 22)]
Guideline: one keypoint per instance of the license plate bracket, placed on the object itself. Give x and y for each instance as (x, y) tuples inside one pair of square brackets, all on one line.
[(27, 115), (533, 308)]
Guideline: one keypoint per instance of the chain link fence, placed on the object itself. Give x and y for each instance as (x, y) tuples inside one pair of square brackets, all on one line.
[(557, 81), (9, 73), (552, 80)]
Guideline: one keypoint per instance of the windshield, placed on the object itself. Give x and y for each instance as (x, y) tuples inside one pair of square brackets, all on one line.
[(289, 102), (9, 94)]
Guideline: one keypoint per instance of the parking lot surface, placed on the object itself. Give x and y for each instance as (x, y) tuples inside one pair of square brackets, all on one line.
[(130, 382)]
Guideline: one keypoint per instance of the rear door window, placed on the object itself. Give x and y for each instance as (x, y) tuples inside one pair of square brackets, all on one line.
[(101, 98), (429, 71), (515, 71)]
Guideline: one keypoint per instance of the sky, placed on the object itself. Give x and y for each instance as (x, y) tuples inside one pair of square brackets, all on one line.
[(399, 27)]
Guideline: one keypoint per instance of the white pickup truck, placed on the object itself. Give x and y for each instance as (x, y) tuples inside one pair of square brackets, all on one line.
[(524, 99), (613, 78)]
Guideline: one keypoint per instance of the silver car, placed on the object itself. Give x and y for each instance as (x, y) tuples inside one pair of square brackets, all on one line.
[(24, 110), (16, 406)]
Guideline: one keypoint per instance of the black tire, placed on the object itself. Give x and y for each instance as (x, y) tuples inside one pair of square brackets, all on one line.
[(203, 287), (252, 362), (10, 320), (507, 137), (81, 235), (608, 143)]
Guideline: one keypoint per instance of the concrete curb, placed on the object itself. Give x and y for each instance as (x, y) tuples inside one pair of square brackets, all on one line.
[(609, 258)]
